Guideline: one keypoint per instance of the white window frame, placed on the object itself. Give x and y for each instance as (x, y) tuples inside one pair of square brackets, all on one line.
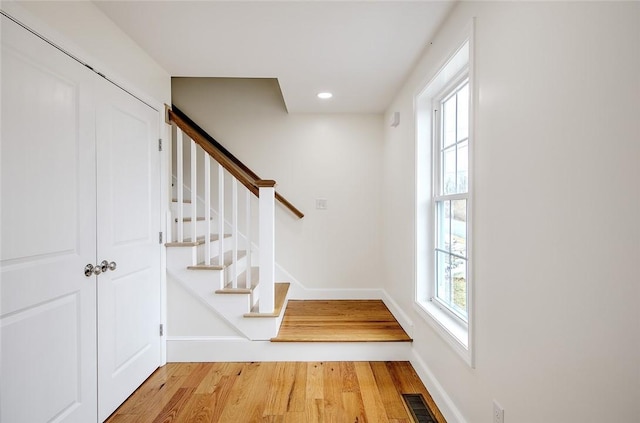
[(454, 331), (449, 91)]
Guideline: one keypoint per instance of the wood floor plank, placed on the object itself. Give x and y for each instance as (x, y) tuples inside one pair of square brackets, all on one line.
[(333, 407), (339, 321), (210, 381), (315, 381), (200, 408), (153, 394), (349, 377), (175, 405), (298, 394), (373, 405), (196, 409), (249, 393), (391, 398), (280, 390), (221, 393), (275, 392)]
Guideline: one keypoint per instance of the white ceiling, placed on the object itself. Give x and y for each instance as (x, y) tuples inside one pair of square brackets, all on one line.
[(359, 51)]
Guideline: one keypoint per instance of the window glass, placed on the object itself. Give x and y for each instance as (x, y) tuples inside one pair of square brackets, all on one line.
[(463, 113), (451, 212), (449, 121)]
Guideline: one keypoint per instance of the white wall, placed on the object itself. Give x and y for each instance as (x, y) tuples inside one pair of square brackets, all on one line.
[(81, 28), (311, 156), (556, 217)]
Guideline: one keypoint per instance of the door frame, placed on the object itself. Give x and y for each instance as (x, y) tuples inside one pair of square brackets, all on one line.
[(43, 30)]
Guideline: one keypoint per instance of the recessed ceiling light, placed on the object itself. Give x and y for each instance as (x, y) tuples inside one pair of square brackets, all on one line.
[(324, 96)]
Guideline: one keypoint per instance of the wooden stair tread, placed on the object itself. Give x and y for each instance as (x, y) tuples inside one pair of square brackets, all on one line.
[(213, 264), (199, 241), (281, 289), (228, 289)]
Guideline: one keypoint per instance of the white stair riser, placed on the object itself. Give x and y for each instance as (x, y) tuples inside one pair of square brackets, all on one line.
[(189, 256), (181, 257), (186, 210), (201, 228), (215, 251), (240, 266)]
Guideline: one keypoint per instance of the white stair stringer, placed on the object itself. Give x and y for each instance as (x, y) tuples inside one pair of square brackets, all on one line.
[(230, 307)]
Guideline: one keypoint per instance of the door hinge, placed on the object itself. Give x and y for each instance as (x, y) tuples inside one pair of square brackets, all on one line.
[(159, 144), (159, 237), (161, 329)]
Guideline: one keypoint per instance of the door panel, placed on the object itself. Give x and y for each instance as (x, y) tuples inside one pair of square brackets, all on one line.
[(47, 308), (129, 220)]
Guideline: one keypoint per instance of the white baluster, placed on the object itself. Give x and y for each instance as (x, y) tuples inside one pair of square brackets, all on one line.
[(207, 208), (234, 232), (247, 236), (194, 192), (172, 171), (180, 185), (267, 246), (221, 215)]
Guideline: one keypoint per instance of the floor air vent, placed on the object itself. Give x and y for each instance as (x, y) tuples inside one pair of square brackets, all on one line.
[(418, 408)]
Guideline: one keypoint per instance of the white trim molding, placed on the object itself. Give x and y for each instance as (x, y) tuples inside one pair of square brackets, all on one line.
[(237, 349), (458, 335), (439, 395)]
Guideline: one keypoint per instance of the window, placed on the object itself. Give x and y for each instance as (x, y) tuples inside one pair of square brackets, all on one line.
[(444, 153), (450, 199)]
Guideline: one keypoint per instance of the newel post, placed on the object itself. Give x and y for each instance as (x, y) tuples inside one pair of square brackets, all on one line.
[(267, 245)]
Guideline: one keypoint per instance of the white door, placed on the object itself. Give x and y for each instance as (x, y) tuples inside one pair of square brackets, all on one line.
[(48, 234), (80, 184), (128, 168)]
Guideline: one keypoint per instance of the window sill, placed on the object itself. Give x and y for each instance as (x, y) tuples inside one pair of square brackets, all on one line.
[(450, 330)]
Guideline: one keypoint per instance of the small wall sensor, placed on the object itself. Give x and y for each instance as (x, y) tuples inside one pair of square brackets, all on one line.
[(395, 119)]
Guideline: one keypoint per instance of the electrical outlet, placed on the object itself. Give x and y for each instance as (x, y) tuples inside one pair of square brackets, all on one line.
[(498, 413)]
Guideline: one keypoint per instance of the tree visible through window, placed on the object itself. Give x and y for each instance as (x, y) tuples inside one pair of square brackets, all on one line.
[(451, 194)]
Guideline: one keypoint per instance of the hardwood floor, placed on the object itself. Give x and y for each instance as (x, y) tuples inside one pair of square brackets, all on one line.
[(339, 321), (276, 392)]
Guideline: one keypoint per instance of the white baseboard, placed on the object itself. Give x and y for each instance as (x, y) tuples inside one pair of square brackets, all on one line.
[(226, 349), (402, 317), (444, 402)]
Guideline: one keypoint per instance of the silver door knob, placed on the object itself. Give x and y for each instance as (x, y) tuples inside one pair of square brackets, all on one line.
[(88, 270), (104, 266), (97, 270), (112, 265)]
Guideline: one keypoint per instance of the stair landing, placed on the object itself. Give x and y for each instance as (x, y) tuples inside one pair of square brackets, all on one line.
[(339, 321)]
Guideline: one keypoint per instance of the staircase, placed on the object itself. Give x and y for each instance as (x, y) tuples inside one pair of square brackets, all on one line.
[(212, 250)]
